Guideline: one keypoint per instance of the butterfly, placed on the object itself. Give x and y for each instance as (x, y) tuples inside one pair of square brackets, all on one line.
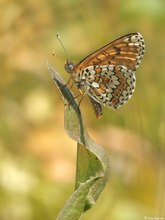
[(107, 75)]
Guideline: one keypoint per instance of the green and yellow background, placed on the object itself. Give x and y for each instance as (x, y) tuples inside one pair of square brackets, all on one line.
[(37, 158)]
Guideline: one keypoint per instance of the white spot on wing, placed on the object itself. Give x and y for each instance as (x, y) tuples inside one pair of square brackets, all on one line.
[(95, 85)]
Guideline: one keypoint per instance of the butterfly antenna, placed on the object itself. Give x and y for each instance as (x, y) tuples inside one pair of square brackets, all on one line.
[(65, 51)]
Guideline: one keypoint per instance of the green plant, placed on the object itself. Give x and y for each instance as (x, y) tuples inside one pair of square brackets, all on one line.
[(92, 170)]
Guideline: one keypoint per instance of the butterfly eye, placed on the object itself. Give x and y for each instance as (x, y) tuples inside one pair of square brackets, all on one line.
[(69, 66)]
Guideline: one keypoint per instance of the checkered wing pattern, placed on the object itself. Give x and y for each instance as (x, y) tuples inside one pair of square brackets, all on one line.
[(108, 74)]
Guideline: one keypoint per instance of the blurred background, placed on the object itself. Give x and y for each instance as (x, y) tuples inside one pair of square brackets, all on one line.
[(37, 158)]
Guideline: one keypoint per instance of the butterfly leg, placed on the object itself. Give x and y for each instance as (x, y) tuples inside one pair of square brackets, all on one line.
[(65, 85), (75, 97), (81, 98)]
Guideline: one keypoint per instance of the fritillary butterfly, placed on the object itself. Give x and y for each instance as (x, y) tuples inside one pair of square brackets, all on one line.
[(107, 75)]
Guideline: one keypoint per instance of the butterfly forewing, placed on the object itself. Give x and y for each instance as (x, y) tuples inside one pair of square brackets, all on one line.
[(127, 50)]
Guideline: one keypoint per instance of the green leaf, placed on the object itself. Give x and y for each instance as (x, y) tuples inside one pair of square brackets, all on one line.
[(75, 205), (92, 161)]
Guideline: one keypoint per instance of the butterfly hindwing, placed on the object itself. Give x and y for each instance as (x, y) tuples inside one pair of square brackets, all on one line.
[(111, 85)]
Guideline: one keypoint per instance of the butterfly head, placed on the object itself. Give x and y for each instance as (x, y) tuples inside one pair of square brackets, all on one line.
[(69, 66)]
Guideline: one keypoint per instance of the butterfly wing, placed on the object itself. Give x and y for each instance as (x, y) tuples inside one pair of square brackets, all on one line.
[(113, 86), (127, 51), (108, 74)]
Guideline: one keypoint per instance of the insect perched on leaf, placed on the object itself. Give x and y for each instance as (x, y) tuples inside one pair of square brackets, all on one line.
[(107, 75)]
